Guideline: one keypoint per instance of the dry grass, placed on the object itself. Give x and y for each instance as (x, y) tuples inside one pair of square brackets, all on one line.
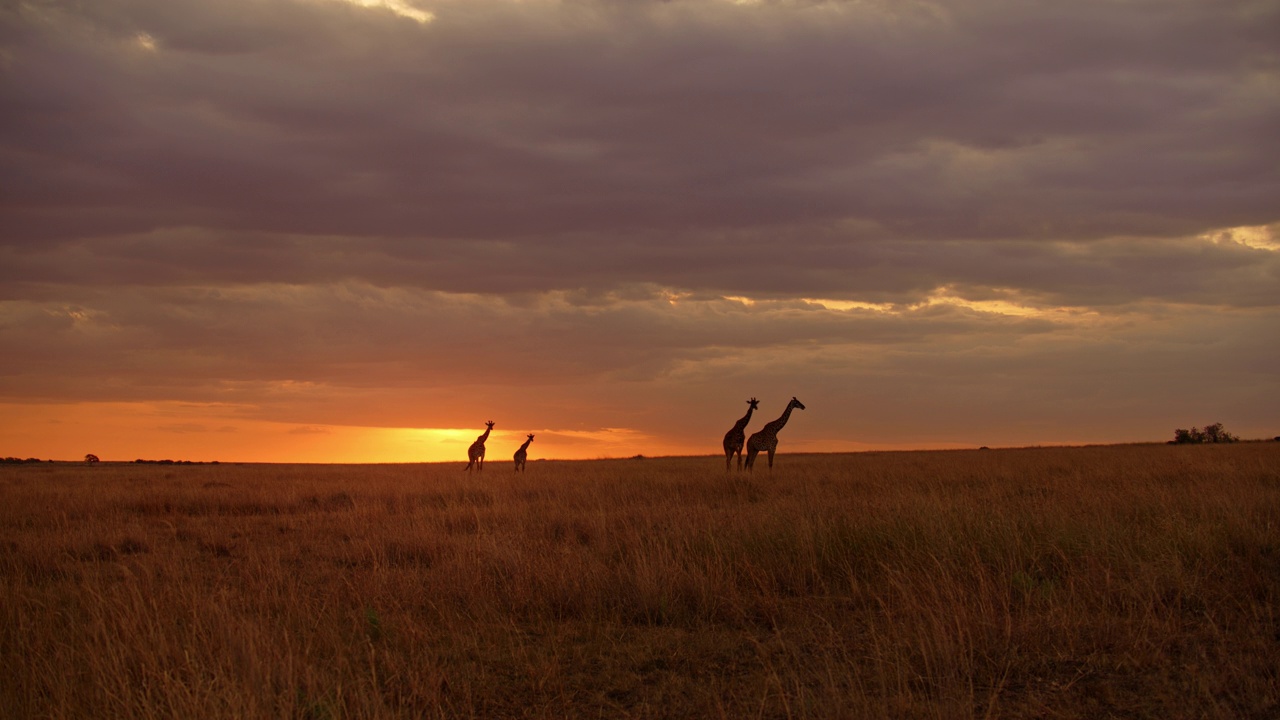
[(1132, 581)]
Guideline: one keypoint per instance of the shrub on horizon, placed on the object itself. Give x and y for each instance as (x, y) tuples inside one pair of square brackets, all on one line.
[(1214, 433)]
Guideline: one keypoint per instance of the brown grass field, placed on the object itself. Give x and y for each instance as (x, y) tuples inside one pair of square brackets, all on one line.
[(1136, 581)]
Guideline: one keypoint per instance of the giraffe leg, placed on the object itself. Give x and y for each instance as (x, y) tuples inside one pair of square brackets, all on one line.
[(771, 459), (751, 457)]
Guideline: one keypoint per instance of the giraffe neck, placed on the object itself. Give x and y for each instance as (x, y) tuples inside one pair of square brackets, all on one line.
[(525, 446), (485, 436), (745, 419), (776, 425)]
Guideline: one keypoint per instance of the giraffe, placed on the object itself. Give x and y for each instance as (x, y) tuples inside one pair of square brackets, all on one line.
[(523, 453), (767, 438), (737, 435), (475, 453)]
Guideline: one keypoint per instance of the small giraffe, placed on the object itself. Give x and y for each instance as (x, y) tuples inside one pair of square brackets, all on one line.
[(737, 435), (767, 438), (523, 453), (475, 453)]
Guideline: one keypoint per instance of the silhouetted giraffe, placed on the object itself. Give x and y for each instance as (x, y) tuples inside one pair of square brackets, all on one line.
[(737, 435), (767, 438), (475, 453), (523, 453)]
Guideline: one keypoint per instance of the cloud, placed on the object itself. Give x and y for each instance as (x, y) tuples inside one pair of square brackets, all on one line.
[(996, 120), (821, 261), (320, 212), (318, 353)]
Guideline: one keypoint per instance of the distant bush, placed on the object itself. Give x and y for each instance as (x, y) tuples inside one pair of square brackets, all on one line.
[(1210, 434)]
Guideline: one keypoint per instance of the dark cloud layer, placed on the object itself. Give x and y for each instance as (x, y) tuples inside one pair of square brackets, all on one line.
[(503, 120), (316, 207)]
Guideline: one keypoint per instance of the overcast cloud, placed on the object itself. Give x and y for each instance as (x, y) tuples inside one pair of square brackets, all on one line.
[(987, 222)]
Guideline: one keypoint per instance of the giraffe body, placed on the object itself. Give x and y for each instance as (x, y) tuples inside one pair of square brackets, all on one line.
[(522, 454), (767, 438), (737, 436), (475, 453)]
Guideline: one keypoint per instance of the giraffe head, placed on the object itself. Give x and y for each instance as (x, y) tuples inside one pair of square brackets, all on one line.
[(489, 424), (530, 437), (754, 403), (796, 403)]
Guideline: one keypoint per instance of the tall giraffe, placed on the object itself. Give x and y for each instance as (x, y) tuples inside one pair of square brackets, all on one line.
[(523, 453), (737, 435), (767, 438), (475, 453)]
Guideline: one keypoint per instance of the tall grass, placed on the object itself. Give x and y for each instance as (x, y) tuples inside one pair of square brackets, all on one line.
[(1130, 581)]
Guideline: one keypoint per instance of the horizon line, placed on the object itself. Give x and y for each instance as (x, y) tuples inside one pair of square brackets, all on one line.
[(15, 460)]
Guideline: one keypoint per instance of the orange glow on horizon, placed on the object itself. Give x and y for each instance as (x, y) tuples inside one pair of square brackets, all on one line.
[(204, 433), (123, 432)]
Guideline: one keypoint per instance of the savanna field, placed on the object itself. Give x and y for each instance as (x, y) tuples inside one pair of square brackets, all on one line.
[(1135, 581)]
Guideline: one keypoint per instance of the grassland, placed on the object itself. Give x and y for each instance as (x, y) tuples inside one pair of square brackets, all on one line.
[(1127, 581)]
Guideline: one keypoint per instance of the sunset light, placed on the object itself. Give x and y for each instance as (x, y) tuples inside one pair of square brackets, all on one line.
[(356, 230), (1259, 238), (399, 7), (663, 359)]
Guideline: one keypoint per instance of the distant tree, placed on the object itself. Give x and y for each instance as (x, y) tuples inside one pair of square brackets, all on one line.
[(1214, 433), (91, 458)]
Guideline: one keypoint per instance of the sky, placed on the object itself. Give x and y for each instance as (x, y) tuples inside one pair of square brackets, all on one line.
[(355, 230)]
